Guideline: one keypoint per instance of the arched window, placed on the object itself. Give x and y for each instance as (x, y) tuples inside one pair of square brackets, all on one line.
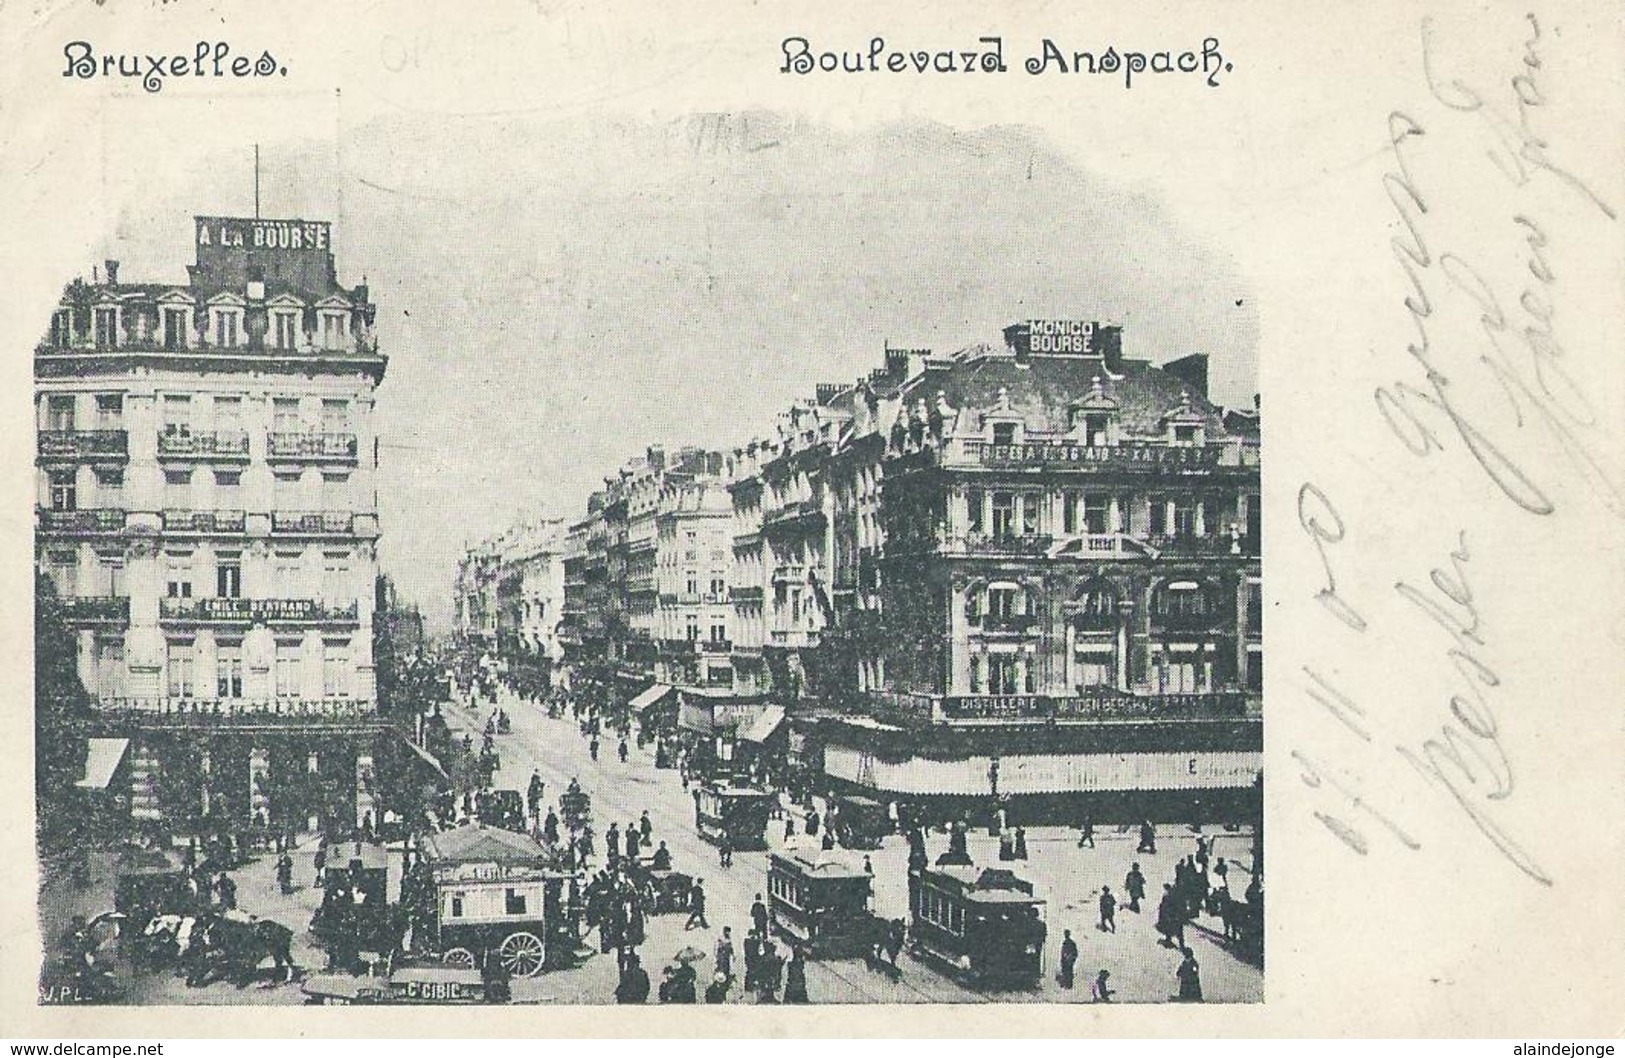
[(1095, 606), (1183, 604)]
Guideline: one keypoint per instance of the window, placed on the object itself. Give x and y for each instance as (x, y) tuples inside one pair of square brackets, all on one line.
[(285, 492), (333, 330), (693, 583), (336, 494), (1255, 524), (107, 328), (1029, 513), (285, 415), (1095, 666), (693, 627), (1002, 674), (1180, 672), (335, 416), (65, 573), (1158, 516), (174, 329), (109, 411), (1004, 433), (719, 633), (181, 683), (228, 415), (1095, 429), (1185, 435), (177, 490), (110, 668), (228, 667), (62, 327), (456, 905), (1255, 671), (177, 413), (178, 575), (287, 575), (976, 684), (1004, 514), (1096, 607), (112, 570), (285, 329), (64, 491), (1097, 511), (513, 902), (228, 490), (336, 669), (59, 412), (1069, 512), (287, 670), (1186, 522), (228, 576), (719, 585), (336, 578), (228, 328)]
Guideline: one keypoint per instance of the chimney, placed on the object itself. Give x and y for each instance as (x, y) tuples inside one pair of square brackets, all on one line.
[(1191, 370), (657, 456), (112, 272)]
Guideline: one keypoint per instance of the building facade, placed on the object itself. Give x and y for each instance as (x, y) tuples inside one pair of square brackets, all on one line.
[(1025, 573), (207, 508)]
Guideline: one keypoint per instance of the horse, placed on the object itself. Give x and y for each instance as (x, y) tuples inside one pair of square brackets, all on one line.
[(234, 945), (166, 940)]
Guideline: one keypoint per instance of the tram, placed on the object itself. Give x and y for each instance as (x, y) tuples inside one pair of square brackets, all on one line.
[(824, 906), (985, 925), (737, 814)]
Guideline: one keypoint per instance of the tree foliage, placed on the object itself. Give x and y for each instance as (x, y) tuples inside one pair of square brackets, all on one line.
[(62, 710)]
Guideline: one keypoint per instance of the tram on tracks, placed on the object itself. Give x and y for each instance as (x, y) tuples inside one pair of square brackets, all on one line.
[(983, 925)]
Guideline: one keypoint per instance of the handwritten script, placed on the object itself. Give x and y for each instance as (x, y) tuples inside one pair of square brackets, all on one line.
[(1511, 349)]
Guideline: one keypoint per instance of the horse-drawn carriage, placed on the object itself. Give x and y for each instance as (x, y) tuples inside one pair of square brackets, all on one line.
[(150, 882), (824, 906), (736, 815), (664, 891), (498, 894), (985, 926), (501, 808), (355, 914)]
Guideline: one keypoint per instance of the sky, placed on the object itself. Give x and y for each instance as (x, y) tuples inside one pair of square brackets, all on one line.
[(555, 295)]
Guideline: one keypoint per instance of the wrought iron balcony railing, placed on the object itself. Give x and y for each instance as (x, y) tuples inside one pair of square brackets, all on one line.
[(82, 444), (232, 444), (299, 445)]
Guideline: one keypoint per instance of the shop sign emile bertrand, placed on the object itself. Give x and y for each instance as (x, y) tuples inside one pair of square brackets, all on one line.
[(252, 233)]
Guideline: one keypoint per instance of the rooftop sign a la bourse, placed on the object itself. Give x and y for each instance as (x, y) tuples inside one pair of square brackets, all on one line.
[(253, 233)]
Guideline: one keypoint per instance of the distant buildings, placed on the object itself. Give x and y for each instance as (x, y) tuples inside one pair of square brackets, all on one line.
[(207, 508), (1026, 571), (509, 592)]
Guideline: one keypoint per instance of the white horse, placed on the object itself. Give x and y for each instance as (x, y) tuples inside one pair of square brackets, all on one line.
[(174, 932)]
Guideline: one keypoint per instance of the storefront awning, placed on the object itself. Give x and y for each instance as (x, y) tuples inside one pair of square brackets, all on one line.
[(105, 755), (429, 759), (764, 726), (650, 697)]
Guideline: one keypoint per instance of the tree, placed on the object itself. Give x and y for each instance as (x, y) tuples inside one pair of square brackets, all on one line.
[(62, 711)]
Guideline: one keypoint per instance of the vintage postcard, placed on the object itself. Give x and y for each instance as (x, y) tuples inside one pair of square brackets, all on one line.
[(782, 509)]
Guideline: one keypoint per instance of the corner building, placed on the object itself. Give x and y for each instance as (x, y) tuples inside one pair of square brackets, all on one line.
[(207, 509), (1061, 607)]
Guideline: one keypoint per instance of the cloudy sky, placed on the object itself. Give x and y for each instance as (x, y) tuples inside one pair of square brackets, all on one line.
[(555, 295)]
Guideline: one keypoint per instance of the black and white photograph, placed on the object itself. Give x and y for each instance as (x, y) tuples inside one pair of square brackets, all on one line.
[(547, 515), (736, 562)]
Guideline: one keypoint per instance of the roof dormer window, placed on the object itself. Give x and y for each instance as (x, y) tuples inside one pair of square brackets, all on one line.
[(107, 327), (227, 327), (335, 328)]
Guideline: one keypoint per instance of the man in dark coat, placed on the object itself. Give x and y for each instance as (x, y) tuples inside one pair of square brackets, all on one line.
[(717, 990), (758, 916), (1086, 835), (634, 984), (696, 906), (753, 958), (1190, 979), (550, 828), (1108, 910), (1148, 838), (795, 977), (769, 974), (1170, 922), (535, 792), (646, 829), (1134, 886), (1069, 959)]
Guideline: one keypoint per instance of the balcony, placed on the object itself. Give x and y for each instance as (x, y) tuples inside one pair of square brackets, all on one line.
[(794, 573), (84, 444), (1189, 544), (1141, 457), (224, 712), (203, 444), (363, 344), (715, 646), (996, 545), (312, 522), (257, 611), (1016, 624), (230, 522), (312, 447), (802, 514), (1103, 706), (97, 609), (793, 639), (745, 594), (90, 521)]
